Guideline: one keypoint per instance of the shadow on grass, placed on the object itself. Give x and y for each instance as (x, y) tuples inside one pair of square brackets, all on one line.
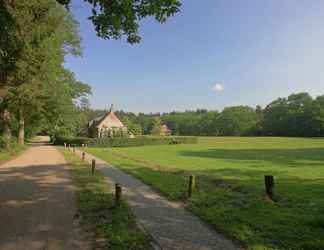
[(290, 157), (239, 208), (233, 200)]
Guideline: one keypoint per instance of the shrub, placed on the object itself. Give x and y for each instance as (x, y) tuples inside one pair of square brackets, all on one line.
[(76, 141), (1, 142), (13, 143), (125, 142)]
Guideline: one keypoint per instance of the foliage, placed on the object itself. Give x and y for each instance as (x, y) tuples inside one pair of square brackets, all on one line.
[(156, 126), (230, 190), (134, 128), (14, 150), (236, 120), (115, 18), (298, 115), (41, 94), (98, 214), (124, 142)]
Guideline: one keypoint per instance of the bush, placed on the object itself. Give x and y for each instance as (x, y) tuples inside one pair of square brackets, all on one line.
[(13, 143), (1, 142), (125, 142), (75, 141)]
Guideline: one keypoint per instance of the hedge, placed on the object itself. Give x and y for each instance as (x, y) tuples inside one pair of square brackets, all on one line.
[(126, 142)]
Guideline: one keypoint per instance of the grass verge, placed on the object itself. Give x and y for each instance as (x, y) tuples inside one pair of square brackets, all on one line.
[(6, 155), (112, 227)]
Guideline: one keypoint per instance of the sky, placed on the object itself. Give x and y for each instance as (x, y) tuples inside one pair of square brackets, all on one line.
[(213, 54)]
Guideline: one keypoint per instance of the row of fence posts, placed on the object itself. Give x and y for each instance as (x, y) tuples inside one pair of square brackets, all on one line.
[(118, 187), (268, 179)]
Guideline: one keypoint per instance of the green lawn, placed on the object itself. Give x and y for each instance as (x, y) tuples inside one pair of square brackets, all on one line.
[(230, 188), (111, 227)]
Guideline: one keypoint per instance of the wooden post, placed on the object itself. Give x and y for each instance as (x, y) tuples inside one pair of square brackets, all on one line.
[(118, 193), (191, 185), (74, 150), (93, 166), (64, 145), (269, 186), (83, 156), (69, 147)]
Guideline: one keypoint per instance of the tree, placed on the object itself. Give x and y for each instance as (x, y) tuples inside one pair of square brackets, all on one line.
[(237, 120), (259, 117), (114, 18), (39, 90), (156, 126), (134, 128), (292, 116), (47, 33)]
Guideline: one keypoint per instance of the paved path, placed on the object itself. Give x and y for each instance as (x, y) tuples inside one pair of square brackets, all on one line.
[(171, 226), (37, 203)]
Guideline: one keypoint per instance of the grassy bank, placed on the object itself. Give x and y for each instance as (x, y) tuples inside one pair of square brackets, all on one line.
[(6, 155), (112, 227), (230, 188)]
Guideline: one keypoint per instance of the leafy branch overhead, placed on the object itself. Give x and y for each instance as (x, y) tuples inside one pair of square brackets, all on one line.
[(114, 18)]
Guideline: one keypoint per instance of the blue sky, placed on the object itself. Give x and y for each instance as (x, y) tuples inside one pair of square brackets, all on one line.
[(215, 53)]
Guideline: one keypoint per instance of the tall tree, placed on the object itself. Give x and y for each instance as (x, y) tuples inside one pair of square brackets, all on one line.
[(236, 120), (47, 33)]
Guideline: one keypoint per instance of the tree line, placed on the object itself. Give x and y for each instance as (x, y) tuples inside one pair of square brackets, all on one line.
[(297, 115), (37, 93)]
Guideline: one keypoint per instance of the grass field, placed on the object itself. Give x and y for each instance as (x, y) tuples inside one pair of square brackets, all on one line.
[(230, 189)]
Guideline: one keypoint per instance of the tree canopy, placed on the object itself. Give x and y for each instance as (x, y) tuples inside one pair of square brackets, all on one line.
[(114, 18), (39, 90), (297, 115)]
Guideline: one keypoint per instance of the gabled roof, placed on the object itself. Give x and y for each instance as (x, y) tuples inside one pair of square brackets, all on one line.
[(165, 128), (112, 116)]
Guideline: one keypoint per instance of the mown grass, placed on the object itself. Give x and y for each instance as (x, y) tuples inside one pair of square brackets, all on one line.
[(112, 227), (230, 188)]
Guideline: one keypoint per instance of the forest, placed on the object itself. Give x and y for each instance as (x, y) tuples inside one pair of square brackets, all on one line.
[(298, 115)]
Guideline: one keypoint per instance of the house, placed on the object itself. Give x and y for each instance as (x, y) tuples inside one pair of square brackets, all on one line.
[(107, 125), (164, 130)]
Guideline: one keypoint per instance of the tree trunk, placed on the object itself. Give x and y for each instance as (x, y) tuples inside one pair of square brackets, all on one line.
[(21, 129), (6, 128)]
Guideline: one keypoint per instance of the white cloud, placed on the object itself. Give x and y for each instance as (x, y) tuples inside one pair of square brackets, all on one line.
[(218, 87)]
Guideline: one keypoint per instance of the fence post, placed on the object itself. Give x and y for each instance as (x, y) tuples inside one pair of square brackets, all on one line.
[(191, 186), (118, 193), (73, 149), (93, 166), (83, 156), (64, 145), (269, 186)]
